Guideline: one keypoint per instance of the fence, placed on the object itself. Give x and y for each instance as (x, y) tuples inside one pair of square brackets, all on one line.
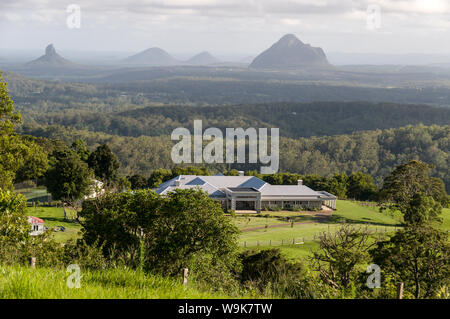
[(307, 239)]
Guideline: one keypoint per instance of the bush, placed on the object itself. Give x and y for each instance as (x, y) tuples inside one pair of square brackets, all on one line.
[(272, 273)]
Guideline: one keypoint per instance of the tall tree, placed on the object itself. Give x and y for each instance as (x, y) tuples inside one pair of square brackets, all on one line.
[(69, 178), (405, 184), (104, 164), (16, 152), (361, 186)]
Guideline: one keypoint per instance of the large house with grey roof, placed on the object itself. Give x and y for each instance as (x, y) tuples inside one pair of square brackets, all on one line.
[(251, 193)]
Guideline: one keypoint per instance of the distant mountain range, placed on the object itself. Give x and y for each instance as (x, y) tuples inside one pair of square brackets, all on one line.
[(159, 57), (290, 53)]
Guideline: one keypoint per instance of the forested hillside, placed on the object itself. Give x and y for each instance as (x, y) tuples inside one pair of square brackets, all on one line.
[(293, 119), (374, 152)]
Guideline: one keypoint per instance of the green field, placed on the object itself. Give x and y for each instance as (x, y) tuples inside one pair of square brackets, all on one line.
[(299, 240)]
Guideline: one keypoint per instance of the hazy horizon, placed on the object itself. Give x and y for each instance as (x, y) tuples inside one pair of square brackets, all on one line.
[(244, 27)]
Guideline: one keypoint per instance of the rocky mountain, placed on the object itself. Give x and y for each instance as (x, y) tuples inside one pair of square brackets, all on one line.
[(204, 58), (290, 53), (51, 59), (152, 57)]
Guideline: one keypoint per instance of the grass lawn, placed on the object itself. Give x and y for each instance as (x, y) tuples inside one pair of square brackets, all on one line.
[(354, 212), (304, 236), (54, 216), (41, 283)]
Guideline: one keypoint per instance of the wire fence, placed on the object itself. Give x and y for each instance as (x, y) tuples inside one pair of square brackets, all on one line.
[(293, 241)]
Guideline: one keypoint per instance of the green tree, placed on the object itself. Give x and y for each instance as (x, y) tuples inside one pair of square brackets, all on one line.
[(115, 220), (176, 229), (68, 178), (417, 256), (80, 147), (158, 177), (20, 157), (337, 185), (361, 187), (14, 226), (407, 180), (190, 223), (8, 116), (138, 181), (422, 209), (104, 164)]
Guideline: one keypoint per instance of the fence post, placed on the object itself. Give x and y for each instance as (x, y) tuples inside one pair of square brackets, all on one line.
[(33, 262), (185, 275), (245, 244), (400, 291), (270, 242), (293, 241), (282, 242)]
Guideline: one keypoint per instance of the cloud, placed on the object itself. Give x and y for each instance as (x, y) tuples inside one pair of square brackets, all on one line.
[(263, 21)]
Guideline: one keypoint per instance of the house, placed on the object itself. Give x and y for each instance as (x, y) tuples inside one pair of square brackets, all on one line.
[(251, 193), (37, 225)]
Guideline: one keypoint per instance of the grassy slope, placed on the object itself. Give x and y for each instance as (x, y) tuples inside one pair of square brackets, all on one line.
[(304, 234), (26, 283), (35, 194)]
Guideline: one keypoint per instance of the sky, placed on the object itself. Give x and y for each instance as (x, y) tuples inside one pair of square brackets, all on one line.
[(242, 27)]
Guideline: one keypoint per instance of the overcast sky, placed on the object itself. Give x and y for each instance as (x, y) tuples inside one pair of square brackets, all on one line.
[(228, 26)]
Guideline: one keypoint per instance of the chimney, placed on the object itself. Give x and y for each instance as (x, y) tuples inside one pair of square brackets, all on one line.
[(241, 173), (177, 183), (300, 182)]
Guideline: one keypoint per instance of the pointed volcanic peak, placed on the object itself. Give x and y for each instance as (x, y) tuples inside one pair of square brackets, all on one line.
[(51, 59), (204, 58), (290, 53), (152, 57)]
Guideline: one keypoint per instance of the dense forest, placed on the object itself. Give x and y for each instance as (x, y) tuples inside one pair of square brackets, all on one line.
[(167, 88), (293, 119), (335, 135), (374, 152)]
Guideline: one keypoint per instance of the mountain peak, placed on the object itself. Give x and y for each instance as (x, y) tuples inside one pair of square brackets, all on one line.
[(290, 40), (152, 57), (203, 58), (50, 50), (290, 53), (51, 59)]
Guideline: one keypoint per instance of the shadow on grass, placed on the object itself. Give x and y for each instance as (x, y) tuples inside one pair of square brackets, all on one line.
[(339, 220), (300, 218)]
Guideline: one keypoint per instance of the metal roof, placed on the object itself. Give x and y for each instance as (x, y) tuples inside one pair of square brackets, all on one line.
[(216, 185)]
